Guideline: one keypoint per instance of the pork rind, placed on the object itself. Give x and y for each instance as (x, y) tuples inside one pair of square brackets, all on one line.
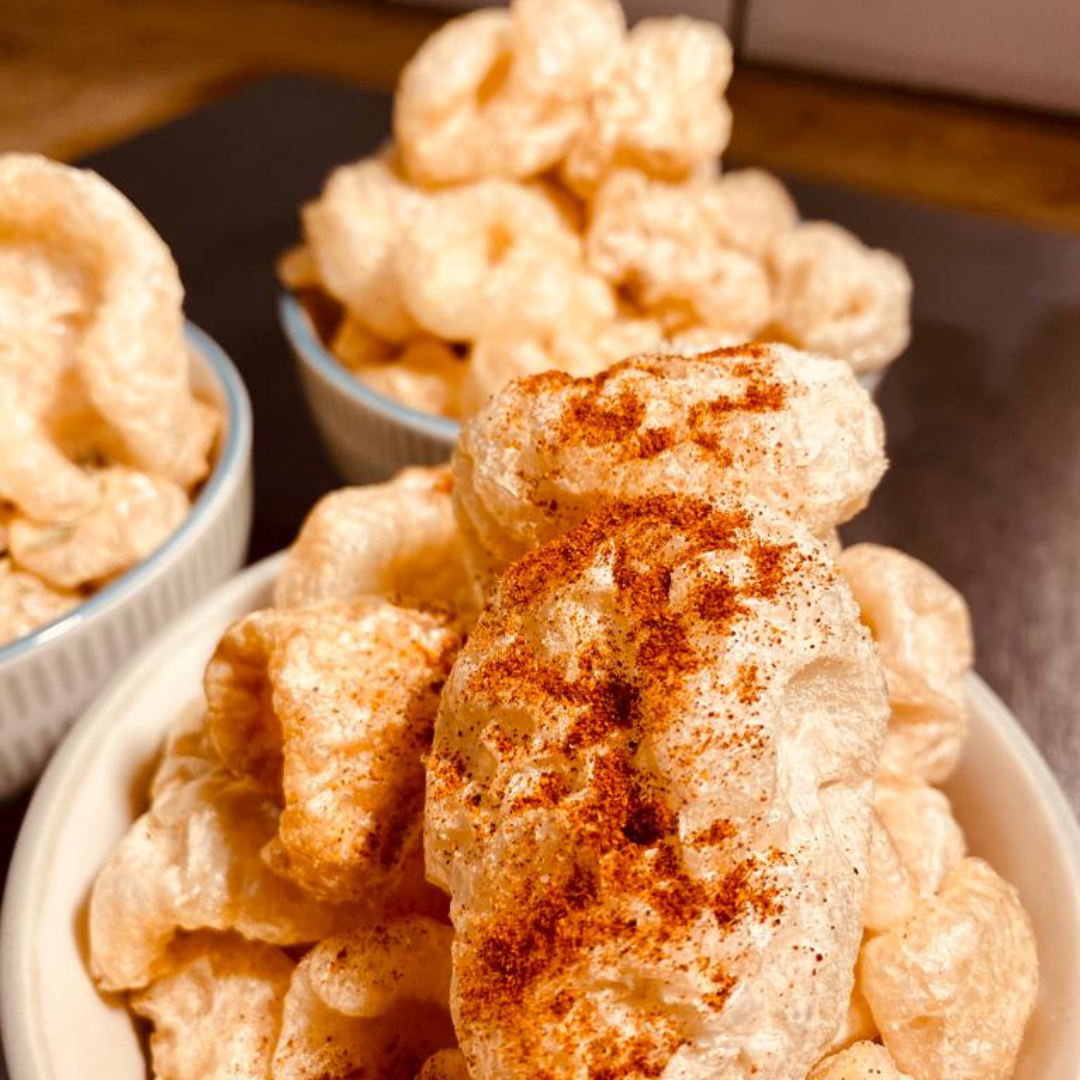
[(858, 1023), (330, 709), (790, 429), (953, 987), (128, 343), (490, 258), (426, 373), (133, 514), (863, 1061), (27, 603), (835, 296), (444, 1065), (193, 862), (503, 93), (923, 631), (353, 230), (649, 796), (399, 538), (370, 1003), (671, 247), (662, 110), (216, 1008)]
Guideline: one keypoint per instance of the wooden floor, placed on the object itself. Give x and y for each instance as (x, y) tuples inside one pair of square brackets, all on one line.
[(76, 75)]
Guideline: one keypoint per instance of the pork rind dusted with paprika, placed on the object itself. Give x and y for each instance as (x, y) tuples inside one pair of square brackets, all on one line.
[(444, 1065), (923, 632), (862, 1061), (216, 1008), (649, 797), (102, 442), (372, 1003), (329, 709), (952, 988), (504, 93), (399, 538), (193, 862), (789, 429)]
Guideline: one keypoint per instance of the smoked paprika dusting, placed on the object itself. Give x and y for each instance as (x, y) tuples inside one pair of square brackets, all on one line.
[(621, 879)]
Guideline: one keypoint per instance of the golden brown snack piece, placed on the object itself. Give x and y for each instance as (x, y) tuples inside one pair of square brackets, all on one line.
[(862, 1061), (129, 350), (858, 1024), (662, 110), (330, 708), (690, 253), (399, 538), (353, 231), (789, 429), (952, 988), (360, 1004), (923, 631), (27, 603), (193, 861), (425, 374), (216, 1008), (444, 1065), (835, 296), (503, 93), (649, 797), (134, 513), (892, 894)]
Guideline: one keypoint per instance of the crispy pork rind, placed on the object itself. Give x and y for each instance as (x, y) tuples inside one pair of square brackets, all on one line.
[(649, 798), (129, 351), (330, 709), (921, 825), (862, 1061), (27, 603), (215, 1008), (923, 631), (503, 93), (426, 374), (373, 1003), (133, 515), (662, 110), (353, 230), (670, 247), (193, 861), (394, 539), (790, 429), (953, 987), (446, 1064), (490, 258), (835, 296), (858, 1023)]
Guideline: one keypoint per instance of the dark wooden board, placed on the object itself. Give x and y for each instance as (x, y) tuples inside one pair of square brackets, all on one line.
[(983, 413)]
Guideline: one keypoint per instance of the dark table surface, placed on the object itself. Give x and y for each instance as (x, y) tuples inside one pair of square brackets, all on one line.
[(983, 412)]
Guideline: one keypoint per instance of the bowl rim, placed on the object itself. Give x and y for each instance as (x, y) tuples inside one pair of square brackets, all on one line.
[(309, 347), (230, 460)]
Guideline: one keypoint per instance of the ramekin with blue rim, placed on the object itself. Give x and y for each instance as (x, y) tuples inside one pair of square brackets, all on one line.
[(49, 676)]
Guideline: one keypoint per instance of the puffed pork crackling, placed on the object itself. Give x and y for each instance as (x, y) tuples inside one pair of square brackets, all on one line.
[(649, 798)]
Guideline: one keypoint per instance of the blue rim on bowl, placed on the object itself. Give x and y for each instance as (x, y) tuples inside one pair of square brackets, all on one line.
[(237, 442), (308, 345)]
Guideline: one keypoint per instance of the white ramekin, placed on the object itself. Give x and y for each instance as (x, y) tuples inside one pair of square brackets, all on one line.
[(368, 435), (56, 1027), (48, 677)]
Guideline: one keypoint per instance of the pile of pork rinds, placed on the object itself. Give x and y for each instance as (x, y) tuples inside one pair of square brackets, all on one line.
[(102, 443), (553, 198), (592, 755)]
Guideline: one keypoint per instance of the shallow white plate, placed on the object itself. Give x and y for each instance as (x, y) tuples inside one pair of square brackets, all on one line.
[(56, 1027)]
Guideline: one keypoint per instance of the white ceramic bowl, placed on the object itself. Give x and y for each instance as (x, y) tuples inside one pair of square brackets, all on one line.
[(48, 677), (56, 1027), (368, 435)]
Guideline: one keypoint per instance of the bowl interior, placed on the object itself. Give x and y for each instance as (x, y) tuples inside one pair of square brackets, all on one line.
[(56, 1027)]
